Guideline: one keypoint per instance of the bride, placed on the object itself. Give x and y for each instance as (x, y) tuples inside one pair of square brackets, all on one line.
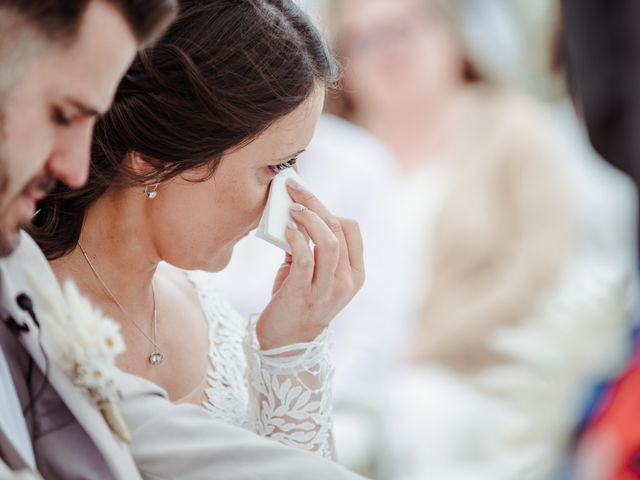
[(180, 172)]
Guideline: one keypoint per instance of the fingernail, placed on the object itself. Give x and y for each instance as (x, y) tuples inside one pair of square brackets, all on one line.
[(291, 225), (293, 183), (296, 207)]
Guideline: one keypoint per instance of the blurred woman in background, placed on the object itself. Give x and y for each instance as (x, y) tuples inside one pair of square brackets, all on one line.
[(410, 80), (482, 230)]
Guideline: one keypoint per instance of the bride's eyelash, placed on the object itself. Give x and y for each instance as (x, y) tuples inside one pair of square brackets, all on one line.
[(283, 166)]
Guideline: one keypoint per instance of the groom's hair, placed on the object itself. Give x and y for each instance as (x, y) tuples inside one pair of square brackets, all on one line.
[(59, 20), (29, 27)]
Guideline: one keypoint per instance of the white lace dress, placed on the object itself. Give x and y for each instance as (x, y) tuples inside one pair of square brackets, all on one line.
[(284, 393)]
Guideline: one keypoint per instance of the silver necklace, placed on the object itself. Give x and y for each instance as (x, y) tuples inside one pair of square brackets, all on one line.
[(156, 356)]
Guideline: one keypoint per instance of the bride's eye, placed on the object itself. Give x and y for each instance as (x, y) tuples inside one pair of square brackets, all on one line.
[(283, 166)]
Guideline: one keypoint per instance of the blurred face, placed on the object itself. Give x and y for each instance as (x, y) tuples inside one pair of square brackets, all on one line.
[(196, 225), (48, 117), (396, 51)]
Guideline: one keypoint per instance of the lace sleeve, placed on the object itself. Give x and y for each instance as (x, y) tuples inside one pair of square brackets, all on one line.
[(290, 393), (284, 394)]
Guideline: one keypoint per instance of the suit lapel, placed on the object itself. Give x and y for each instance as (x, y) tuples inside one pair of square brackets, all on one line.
[(28, 258)]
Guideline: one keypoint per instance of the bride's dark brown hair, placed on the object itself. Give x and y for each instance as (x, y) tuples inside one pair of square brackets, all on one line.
[(224, 72)]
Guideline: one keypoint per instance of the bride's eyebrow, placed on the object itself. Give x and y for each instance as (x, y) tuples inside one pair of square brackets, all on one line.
[(289, 157)]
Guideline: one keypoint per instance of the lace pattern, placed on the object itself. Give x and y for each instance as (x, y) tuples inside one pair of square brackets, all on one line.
[(284, 393), (291, 399)]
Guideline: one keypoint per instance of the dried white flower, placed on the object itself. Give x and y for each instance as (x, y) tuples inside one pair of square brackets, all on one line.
[(85, 344)]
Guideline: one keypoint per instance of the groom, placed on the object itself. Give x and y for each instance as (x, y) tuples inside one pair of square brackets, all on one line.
[(60, 62)]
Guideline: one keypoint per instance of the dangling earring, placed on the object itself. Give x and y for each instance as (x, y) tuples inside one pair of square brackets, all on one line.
[(151, 191)]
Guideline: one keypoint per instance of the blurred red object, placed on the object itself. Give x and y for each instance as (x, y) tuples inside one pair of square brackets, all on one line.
[(611, 441)]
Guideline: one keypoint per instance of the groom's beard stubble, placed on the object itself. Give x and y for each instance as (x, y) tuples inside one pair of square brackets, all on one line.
[(4, 185), (14, 213), (12, 219)]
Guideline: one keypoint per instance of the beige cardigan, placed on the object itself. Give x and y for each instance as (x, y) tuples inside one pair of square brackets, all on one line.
[(502, 236)]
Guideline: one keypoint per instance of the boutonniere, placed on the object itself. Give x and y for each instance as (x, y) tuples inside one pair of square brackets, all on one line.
[(84, 344)]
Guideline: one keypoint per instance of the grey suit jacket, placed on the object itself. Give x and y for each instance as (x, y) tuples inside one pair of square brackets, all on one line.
[(167, 441), (69, 436)]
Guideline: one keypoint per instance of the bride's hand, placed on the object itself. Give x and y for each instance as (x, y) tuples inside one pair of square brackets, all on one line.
[(312, 286)]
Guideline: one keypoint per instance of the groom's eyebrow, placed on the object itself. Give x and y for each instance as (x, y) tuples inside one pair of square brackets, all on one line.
[(84, 109)]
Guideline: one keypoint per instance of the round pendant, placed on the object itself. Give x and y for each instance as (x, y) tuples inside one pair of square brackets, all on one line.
[(156, 358)]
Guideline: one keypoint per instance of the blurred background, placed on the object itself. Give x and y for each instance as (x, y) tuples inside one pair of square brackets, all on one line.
[(500, 248)]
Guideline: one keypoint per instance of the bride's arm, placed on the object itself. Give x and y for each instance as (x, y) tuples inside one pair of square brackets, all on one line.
[(290, 374), (290, 393), (282, 393)]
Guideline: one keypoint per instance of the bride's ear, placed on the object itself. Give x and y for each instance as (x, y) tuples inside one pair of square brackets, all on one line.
[(141, 165)]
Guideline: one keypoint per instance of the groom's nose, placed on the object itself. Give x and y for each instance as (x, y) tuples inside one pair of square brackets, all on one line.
[(69, 162)]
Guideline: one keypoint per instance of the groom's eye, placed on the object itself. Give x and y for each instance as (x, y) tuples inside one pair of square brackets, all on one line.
[(60, 118)]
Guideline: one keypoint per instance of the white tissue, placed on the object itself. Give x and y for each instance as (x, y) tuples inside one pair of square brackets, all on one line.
[(276, 215)]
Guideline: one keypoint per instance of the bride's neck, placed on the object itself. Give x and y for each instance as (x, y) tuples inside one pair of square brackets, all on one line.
[(119, 247)]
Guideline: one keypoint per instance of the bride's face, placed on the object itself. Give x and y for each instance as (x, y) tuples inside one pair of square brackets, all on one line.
[(196, 225)]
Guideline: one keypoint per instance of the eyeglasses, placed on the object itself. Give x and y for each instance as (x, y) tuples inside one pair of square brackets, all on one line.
[(385, 36)]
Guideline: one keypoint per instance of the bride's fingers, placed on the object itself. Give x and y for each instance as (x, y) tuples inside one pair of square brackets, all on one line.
[(353, 238), (304, 232), (304, 197), (326, 251), (302, 263)]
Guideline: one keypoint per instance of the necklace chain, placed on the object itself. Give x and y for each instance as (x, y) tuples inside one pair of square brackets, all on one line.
[(156, 356)]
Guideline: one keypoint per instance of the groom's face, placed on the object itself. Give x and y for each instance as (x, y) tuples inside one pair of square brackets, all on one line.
[(48, 113)]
